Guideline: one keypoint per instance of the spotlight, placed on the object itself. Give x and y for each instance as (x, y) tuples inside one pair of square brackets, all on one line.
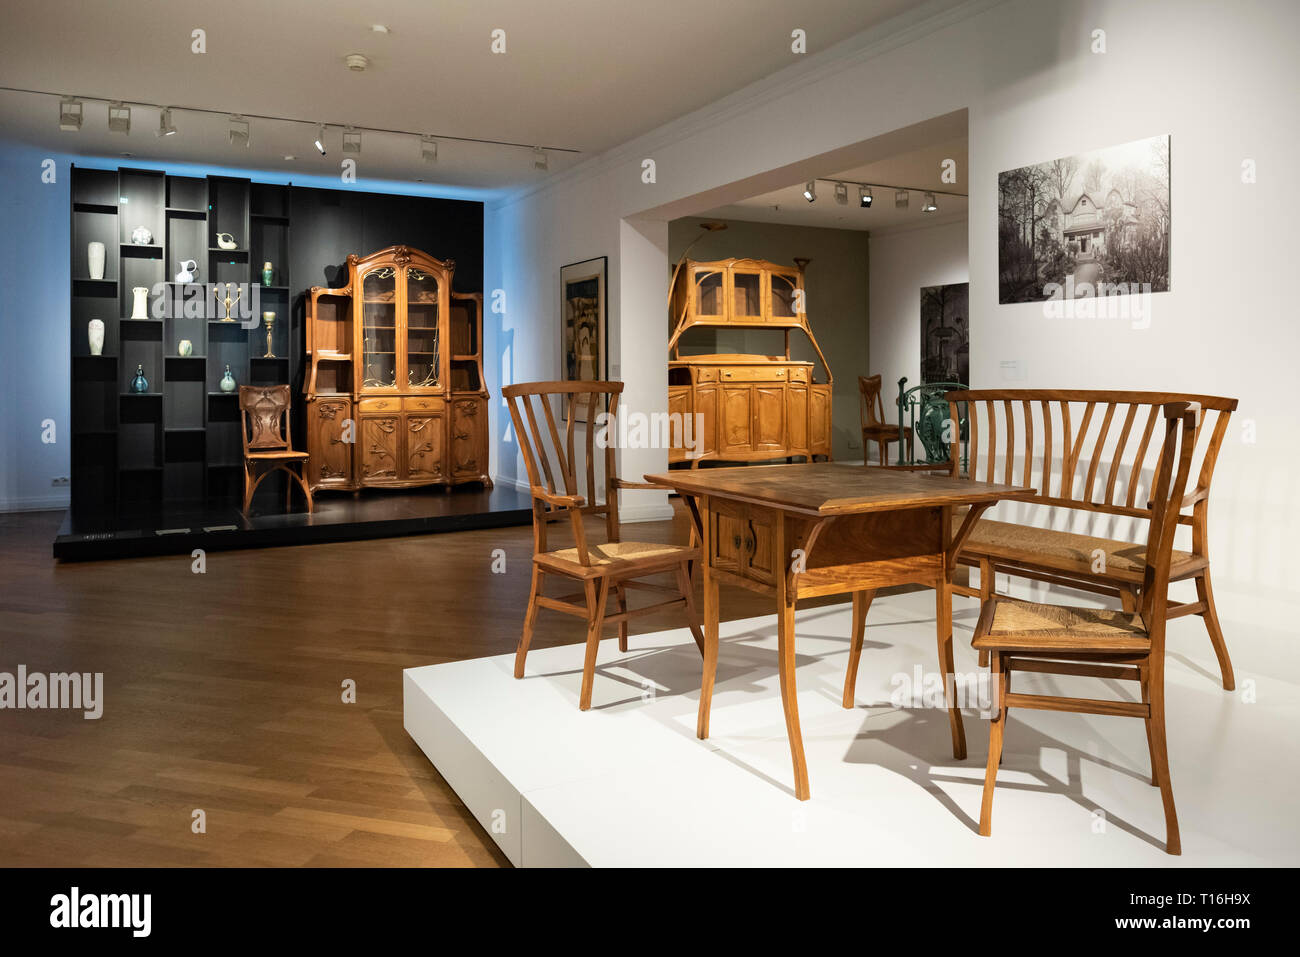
[(841, 194), (320, 139), (165, 125), (928, 206), (810, 190), (540, 159), (69, 114), (351, 140), (864, 197), (901, 197), (119, 118), (428, 149), (238, 131)]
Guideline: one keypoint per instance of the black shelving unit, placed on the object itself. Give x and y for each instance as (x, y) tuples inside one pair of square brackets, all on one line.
[(179, 442)]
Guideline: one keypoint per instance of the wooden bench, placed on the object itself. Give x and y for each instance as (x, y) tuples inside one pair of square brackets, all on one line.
[(1091, 453)]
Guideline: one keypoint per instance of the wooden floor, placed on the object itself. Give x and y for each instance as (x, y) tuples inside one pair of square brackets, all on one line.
[(222, 692)]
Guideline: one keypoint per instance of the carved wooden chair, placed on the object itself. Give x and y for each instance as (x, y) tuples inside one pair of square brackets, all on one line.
[(875, 427), (268, 445), (1099, 643), (555, 477)]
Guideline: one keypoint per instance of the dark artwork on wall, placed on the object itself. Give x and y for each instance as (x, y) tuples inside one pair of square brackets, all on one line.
[(583, 314), (1087, 225), (945, 333)]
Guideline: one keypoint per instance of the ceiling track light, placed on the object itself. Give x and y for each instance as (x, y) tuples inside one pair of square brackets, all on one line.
[(901, 198), (351, 140), (864, 197), (540, 159), (841, 194), (165, 125), (810, 190), (238, 131), (428, 149), (119, 118), (929, 205), (320, 139), (70, 114)]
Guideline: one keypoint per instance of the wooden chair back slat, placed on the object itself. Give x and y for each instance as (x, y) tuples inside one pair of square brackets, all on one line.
[(993, 441), (973, 446), (564, 462), (1072, 464), (1066, 435), (1113, 472), (1095, 458), (1011, 441), (1135, 474), (590, 433), (1029, 443), (538, 447), (1048, 455)]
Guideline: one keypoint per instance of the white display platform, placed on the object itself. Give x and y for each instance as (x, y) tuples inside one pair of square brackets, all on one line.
[(628, 783)]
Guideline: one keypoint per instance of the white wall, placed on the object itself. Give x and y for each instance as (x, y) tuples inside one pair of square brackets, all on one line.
[(902, 261), (1220, 80)]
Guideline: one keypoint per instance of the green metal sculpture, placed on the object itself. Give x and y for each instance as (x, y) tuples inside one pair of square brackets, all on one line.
[(930, 421)]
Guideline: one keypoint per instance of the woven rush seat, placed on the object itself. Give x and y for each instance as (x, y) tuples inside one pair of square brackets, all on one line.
[(1067, 551), (612, 553), (1033, 626)]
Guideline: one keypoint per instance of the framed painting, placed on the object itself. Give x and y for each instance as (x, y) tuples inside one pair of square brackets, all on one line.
[(583, 320)]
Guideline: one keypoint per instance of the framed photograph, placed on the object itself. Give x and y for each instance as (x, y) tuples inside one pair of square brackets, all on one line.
[(1092, 224), (583, 320)]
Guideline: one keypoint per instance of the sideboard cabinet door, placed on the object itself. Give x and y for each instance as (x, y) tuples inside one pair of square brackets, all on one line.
[(468, 437), (769, 418), (379, 453), (331, 437), (424, 447)]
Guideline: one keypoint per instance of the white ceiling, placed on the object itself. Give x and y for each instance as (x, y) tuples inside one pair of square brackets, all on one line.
[(578, 74), (920, 168)]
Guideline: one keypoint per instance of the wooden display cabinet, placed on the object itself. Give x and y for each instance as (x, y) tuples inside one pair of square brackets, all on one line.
[(752, 407), (394, 386)]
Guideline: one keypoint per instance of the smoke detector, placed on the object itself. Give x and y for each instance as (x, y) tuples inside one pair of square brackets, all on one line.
[(356, 62)]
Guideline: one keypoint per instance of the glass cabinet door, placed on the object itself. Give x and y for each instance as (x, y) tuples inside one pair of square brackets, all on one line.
[(379, 328), (746, 293), (782, 298), (422, 345), (706, 288)]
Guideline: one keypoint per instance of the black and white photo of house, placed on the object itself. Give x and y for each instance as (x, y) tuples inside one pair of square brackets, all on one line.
[(1092, 224), (945, 333)]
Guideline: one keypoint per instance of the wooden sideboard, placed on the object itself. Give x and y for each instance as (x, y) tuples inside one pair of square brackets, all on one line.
[(750, 407), (394, 386)]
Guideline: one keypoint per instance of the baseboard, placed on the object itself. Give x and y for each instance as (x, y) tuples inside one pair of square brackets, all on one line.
[(42, 503)]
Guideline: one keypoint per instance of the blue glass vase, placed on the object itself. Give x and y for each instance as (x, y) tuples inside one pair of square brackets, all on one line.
[(139, 384)]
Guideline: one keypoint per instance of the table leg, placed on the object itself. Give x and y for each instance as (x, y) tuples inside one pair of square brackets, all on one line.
[(789, 694), (710, 650), (861, 602), (943, 616)]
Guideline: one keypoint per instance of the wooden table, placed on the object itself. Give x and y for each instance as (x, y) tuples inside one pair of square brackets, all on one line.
[(799, 531)]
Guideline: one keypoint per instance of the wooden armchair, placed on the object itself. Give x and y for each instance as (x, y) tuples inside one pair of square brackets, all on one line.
[(875, 428), (268, 446), (1099, 643), (555, 477)]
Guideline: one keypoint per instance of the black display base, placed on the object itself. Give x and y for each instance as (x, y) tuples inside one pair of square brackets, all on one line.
[(179, 528)]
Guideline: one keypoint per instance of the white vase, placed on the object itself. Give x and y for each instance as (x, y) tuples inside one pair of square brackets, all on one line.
[(140, 308), (95, 260), (95, 331)]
